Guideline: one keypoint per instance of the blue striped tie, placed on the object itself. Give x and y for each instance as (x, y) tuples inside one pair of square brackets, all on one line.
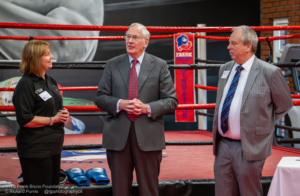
[(228, 99)]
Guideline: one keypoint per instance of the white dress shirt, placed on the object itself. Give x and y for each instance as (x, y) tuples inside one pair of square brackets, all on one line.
[(234, 126), (138, 65)]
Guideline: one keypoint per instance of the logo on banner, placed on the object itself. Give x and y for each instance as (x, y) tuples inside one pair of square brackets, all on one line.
[(183, 43)]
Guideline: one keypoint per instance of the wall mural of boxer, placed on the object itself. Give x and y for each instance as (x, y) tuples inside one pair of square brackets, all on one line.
[(110, 13)]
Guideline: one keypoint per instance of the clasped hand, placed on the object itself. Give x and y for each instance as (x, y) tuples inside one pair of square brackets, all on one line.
[(61, 116), (134, 106)]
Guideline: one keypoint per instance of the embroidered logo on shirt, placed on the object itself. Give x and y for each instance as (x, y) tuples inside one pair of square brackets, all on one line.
[(55, 87)]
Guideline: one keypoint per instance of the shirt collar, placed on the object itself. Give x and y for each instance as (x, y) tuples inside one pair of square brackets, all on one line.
[(35, 77), (140, 59), (247, 65)]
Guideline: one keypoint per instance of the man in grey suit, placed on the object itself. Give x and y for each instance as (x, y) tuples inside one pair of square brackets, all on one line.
[(136, 90), (252, 96)]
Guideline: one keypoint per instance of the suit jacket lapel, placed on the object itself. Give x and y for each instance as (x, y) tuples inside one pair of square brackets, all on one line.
[(146, 67), (124, 68), (250, 81)]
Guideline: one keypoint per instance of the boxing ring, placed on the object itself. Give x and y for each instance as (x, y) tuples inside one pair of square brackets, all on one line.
[(187, 166)]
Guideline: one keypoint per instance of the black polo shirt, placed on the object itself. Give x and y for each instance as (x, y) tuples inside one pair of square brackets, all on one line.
[(34, 96)]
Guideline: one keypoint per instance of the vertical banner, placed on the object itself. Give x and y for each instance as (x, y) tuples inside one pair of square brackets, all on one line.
[(184, 79)]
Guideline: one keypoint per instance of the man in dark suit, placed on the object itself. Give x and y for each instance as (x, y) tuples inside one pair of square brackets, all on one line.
[(136, 90), (252, 96)]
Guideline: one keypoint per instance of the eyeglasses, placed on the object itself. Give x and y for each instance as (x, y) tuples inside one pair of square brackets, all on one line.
[(134, 38)]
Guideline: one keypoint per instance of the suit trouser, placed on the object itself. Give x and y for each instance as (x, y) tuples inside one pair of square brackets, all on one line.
[(233, 173), (40, 173), (145, 163)]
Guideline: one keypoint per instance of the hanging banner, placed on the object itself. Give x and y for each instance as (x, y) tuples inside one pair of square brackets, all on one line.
[(184, 79)]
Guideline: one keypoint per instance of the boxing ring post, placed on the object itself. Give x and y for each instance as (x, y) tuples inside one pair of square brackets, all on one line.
[(202, 98)]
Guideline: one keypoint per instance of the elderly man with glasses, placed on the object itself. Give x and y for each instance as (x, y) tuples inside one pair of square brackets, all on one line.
[(136, 90)]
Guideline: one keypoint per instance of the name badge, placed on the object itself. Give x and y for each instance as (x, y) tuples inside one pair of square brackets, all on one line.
[(45, 95), (225, 74)]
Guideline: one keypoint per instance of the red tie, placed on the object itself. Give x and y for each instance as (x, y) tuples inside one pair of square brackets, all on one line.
[(133, 90)]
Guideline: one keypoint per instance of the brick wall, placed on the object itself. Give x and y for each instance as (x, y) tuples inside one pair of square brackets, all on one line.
[(272, 9)]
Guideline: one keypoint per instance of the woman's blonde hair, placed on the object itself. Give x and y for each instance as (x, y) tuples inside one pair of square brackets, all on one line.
[(31, 56)]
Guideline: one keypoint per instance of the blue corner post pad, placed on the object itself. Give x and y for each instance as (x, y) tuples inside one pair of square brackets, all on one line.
[(77, 175), (98, 175)]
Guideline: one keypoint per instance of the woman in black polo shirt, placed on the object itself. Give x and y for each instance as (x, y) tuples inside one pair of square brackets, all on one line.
[(41, 116)]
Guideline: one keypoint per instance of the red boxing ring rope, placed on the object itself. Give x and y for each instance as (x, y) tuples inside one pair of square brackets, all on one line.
[(7, 89), (264, 39), (210, 88), (95, 108), (295, 96), (261, 39), (125, 28), (26, 38), (75, 88), (79, 88), (212, 37), (94, 88)]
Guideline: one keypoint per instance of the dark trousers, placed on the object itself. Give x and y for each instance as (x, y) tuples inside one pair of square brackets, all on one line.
[(146, 165), (40, 174)]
